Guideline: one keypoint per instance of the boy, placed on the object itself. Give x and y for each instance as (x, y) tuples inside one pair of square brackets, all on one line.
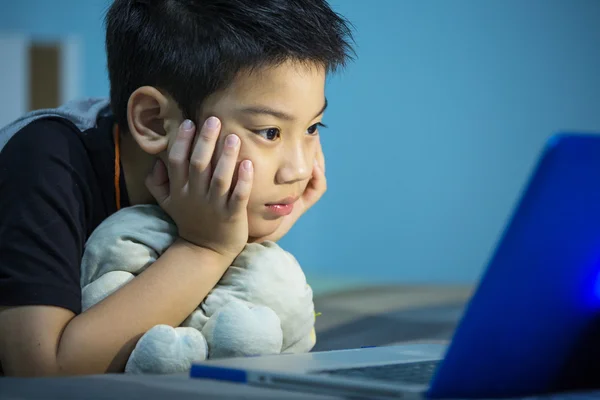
[(253, 73)]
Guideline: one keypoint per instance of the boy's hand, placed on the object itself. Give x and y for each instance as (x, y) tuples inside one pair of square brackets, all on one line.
[(205, 210), (314, 191)]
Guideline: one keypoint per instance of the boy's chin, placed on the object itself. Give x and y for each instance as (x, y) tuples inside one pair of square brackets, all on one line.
[(260, 228)]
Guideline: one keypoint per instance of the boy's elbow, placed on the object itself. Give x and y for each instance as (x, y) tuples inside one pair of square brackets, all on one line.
[(29, 341), (30, 367)]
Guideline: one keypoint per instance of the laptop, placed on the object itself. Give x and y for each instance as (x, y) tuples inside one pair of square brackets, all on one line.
[(532, 326)]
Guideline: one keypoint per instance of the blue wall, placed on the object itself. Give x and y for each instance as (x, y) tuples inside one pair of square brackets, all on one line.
[(433, 131), (52, 19)]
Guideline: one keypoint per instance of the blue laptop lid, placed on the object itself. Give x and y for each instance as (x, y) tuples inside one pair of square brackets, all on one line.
[(533, 323)]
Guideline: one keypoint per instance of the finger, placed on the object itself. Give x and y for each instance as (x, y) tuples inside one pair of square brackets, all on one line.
[(320, 181), (316, 187), (202, 154), (223, 175), (243, 187), (321, 156), (179, 153), (157, 182)]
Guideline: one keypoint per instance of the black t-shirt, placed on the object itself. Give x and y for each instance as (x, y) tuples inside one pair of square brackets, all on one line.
[(56, 187)]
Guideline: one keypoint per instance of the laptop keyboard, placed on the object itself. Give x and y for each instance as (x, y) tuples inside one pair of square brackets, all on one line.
[(413, 372)]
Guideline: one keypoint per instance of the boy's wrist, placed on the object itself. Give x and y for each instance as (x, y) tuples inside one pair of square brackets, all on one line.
[(213, 256)]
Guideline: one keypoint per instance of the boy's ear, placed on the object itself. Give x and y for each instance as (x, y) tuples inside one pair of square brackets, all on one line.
[(150, 117)]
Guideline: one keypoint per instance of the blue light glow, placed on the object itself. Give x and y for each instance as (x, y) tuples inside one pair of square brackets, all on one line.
[(597, 287)]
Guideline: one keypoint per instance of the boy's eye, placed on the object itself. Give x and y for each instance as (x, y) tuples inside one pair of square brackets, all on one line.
[(269, 134), (314, 128), (272, 134)]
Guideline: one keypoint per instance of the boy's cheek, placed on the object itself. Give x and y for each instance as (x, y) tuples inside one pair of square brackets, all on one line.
[(245, 151)]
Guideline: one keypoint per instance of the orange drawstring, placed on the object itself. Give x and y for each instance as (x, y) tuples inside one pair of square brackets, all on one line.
[(117, 167)]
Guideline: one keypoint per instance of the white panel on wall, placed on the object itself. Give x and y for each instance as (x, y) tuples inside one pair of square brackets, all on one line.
[(71, 71), (14, 71)]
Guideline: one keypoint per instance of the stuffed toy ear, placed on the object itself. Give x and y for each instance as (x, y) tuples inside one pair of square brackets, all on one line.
[(167, 350), (241, 330)]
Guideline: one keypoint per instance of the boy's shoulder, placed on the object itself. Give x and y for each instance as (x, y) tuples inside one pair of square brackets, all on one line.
[(81, 114), (40, 140), (71, 133), (48, 153)]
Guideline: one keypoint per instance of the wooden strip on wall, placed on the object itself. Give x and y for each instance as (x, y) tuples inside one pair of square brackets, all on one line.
[(44, 76)]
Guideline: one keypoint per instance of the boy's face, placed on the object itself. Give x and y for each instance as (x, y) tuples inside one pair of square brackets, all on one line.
[(275, 112)]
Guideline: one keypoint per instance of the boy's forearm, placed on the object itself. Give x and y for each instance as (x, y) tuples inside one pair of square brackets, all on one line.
[(101, 339)]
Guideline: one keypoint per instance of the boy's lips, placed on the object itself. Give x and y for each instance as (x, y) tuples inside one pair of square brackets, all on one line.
[(285, 201), (283, 207)]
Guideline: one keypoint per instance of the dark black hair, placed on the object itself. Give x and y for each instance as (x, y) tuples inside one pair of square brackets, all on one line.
[(193, 48)]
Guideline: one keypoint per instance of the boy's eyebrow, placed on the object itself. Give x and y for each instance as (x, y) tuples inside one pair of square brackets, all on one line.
[(275, 113)]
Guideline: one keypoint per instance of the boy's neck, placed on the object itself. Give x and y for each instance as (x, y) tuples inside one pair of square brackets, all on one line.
[(136, 165)]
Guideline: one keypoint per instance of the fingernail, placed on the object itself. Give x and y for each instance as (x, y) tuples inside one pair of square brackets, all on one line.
[(247, 165), (212, 123), (187, 125), (231, 140)]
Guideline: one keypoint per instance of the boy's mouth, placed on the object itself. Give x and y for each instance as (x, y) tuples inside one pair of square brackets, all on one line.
[(282, 207), (285, 201)]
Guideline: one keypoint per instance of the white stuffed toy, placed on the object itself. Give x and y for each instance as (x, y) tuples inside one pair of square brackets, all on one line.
[(262, 304)]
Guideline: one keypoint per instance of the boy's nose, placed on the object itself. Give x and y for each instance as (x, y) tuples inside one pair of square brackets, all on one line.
[(294, 168)]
